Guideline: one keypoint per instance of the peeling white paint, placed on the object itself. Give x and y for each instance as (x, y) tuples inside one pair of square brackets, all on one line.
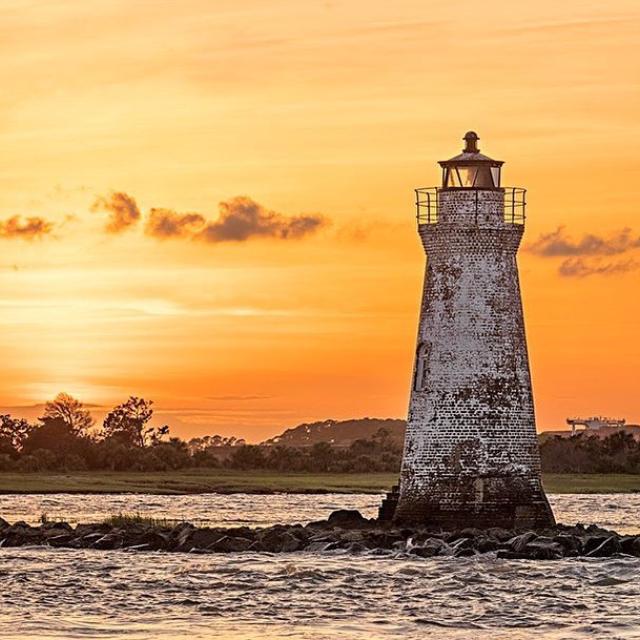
[(471, 412)]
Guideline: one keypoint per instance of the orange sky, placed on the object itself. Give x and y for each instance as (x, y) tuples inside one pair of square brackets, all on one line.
[(333, 111)]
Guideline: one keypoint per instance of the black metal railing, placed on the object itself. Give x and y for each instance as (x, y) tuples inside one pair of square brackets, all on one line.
[(427, 206)]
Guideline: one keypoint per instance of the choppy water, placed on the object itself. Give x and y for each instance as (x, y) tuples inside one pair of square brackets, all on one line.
[(62, 593)]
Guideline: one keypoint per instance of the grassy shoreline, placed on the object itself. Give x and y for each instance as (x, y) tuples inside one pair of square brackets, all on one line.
[(223, 481)]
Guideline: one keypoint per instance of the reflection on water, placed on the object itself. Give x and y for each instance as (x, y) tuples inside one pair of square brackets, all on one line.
[(62, 593)]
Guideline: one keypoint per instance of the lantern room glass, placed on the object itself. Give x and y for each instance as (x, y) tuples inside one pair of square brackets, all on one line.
[(480, 176)]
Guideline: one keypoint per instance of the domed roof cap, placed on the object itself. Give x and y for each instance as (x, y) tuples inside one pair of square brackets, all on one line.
[(471, 154)]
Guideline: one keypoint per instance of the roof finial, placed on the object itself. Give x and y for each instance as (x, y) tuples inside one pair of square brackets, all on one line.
[(471, 142)]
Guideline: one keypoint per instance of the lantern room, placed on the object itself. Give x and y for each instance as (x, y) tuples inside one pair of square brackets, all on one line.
[(471, 169)]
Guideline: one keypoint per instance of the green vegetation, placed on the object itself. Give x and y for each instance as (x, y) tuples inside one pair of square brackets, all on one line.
[(64, 451), (194, 481), (591, 482), (229, 481), (65, 439)]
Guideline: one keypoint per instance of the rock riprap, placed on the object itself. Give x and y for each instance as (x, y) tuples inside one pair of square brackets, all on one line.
[(344, 531)]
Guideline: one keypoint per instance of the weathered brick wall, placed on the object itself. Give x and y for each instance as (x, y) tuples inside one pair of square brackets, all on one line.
[(471, 452)]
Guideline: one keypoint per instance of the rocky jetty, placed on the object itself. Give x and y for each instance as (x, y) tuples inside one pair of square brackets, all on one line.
[(346, 531)]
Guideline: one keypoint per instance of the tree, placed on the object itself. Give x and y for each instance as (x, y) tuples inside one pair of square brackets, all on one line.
[(56, 436), (322, 456), (128, 422), (248, 457), (70, 411), (13, 432)]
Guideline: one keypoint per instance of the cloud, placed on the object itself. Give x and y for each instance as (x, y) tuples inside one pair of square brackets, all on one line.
[(122, 209), (27, 228), (165, 223), (557, 244), (581, 268), (240, 219)]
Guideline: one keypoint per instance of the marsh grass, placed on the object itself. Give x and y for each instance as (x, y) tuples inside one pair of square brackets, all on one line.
[(198, 481), (125, 520)]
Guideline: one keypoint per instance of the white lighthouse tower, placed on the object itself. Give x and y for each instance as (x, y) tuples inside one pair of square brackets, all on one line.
[(471, 453)]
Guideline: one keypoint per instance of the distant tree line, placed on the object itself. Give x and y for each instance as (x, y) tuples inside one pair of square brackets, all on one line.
[(66, 438), (586, 453)]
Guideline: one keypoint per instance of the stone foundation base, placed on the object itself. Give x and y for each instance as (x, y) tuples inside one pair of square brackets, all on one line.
[(461, 502)]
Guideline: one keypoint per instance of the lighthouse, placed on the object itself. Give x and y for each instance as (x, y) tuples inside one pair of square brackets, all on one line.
[(471, 455)]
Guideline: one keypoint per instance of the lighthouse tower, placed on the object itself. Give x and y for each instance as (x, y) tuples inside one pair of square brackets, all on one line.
[(471, 453)]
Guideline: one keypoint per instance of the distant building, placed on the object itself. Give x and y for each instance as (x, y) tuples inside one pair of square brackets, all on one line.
[(595, 427), (596, 422)]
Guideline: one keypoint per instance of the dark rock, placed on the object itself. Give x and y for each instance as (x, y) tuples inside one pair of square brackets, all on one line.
[(156, 540), (430, 547), (61, 540), (608, 547), (356, 547), (544, 549), (426, 551), (499, 534), (344, 530), (471, 532), (485, 544), (347, 519), (179, 536), (56, 526), (317, 524), (463, 543), (630, 545), (228, 544), (291, 543), (20, 534), (464, 552), (199, 538), (89, 539), (572, 545), (299, 532), (108, 541), (352, 536), (139, 547), (318, 546), (383, 539), (592, 542), (518, 543), (278, 540), (505, 554), (55, 532), (82, 530)]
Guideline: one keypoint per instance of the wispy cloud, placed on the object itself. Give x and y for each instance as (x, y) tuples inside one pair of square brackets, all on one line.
[(240, 219), (25, 228), (122, 209), (581, 268), (558, 244), (588, 255)]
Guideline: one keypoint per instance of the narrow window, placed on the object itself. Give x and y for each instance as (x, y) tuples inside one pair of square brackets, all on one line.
[(421, 367)]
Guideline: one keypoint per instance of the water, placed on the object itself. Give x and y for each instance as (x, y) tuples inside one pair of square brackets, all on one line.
[(62, 593), (617, 511)]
